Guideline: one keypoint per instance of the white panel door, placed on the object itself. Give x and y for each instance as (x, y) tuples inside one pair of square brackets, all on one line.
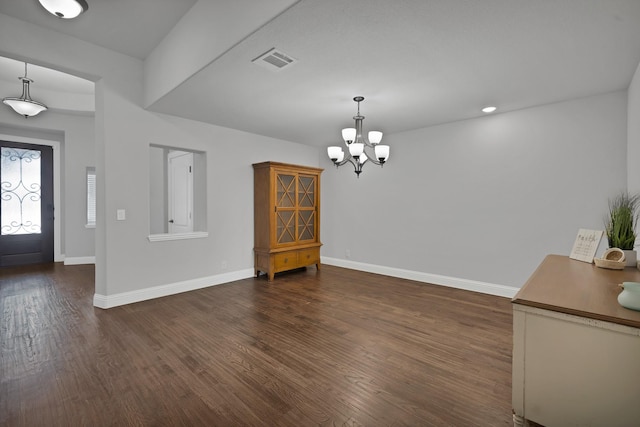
[(180, 188)]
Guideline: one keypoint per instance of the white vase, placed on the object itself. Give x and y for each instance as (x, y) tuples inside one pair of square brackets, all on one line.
[(631, 258), (630, 296)]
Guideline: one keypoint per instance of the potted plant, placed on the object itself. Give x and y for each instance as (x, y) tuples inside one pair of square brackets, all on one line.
[(620, 225)]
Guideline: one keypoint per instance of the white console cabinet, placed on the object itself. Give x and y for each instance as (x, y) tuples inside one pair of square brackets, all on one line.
[(576, 351)]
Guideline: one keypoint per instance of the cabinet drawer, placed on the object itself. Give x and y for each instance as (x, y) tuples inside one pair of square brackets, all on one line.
[(308, 256), (285, 260)]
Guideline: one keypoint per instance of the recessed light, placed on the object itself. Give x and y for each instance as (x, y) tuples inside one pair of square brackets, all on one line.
[(489, 109)]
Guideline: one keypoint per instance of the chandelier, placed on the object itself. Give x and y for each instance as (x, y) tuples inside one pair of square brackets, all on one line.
[(25, 105), (361, 149), (67, 9)]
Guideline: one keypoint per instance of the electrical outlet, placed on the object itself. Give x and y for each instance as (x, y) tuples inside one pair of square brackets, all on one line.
[(347, 253)]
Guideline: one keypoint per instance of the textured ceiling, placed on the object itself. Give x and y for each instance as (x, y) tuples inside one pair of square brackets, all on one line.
[(417, 63)]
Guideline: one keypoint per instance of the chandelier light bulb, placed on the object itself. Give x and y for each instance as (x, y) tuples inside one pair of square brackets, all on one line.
[(349, 135), (375, 137), (382, 153), (356, 149), (334, 153)]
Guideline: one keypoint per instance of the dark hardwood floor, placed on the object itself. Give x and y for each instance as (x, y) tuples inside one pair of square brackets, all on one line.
[(329, 348)]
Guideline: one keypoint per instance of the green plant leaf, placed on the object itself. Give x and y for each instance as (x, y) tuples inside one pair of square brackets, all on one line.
[(621, 222)]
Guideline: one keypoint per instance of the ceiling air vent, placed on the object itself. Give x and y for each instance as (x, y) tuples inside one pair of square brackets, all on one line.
[(275, 60)]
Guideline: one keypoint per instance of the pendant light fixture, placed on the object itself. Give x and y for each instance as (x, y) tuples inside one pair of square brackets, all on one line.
[(25, 105), (357, 144), (66, 9)]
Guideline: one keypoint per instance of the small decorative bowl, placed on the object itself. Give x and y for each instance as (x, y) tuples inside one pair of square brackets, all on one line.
[(611, 265), (614, 254), (613, 259)]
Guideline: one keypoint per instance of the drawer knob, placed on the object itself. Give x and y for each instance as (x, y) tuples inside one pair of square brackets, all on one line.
[(286, 260)]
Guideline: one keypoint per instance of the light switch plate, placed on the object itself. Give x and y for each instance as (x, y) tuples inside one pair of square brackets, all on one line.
[(121, 215)]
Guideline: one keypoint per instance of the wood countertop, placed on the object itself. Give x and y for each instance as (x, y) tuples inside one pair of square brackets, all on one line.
[(568, 286)]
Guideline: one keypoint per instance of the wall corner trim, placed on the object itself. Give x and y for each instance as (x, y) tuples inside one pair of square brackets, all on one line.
[(115, 300), (77, 260), (418, 276)]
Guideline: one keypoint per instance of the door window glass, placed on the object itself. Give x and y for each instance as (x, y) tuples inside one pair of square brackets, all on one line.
[(20, 202)]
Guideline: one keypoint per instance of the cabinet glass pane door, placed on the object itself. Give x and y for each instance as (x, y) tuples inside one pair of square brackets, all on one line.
[(285, 213), (306, 191), (286, 194), (295, 208), (21, 191), (306, 225), (307, 208), (285, 226)]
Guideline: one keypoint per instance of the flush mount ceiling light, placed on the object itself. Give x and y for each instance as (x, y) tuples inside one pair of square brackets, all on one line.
[(358, 145), (25, 105), (66, 9), (489, 109)]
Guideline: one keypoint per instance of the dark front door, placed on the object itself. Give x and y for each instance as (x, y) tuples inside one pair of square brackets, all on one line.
[(26, 204)]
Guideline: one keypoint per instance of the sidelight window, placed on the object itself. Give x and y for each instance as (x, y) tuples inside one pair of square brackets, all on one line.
[(91, 197)]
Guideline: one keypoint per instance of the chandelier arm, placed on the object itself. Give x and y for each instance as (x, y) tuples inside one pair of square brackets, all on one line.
[(372, 158), (351, 160), (347, 159), (355, 165), (366, 142)]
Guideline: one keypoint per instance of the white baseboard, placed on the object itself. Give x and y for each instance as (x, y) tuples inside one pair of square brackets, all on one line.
[(79, 260), (110, 301), (452, 282)]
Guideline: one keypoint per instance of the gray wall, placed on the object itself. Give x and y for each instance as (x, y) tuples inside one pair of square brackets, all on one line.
[(483, 199), (633, 126), (158, 190)]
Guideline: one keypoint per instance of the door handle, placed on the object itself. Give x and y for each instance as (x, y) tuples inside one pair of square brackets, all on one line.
[(171, 221)]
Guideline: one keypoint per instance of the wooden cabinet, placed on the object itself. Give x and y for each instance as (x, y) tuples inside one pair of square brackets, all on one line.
[(576, 351), (286, 212)]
